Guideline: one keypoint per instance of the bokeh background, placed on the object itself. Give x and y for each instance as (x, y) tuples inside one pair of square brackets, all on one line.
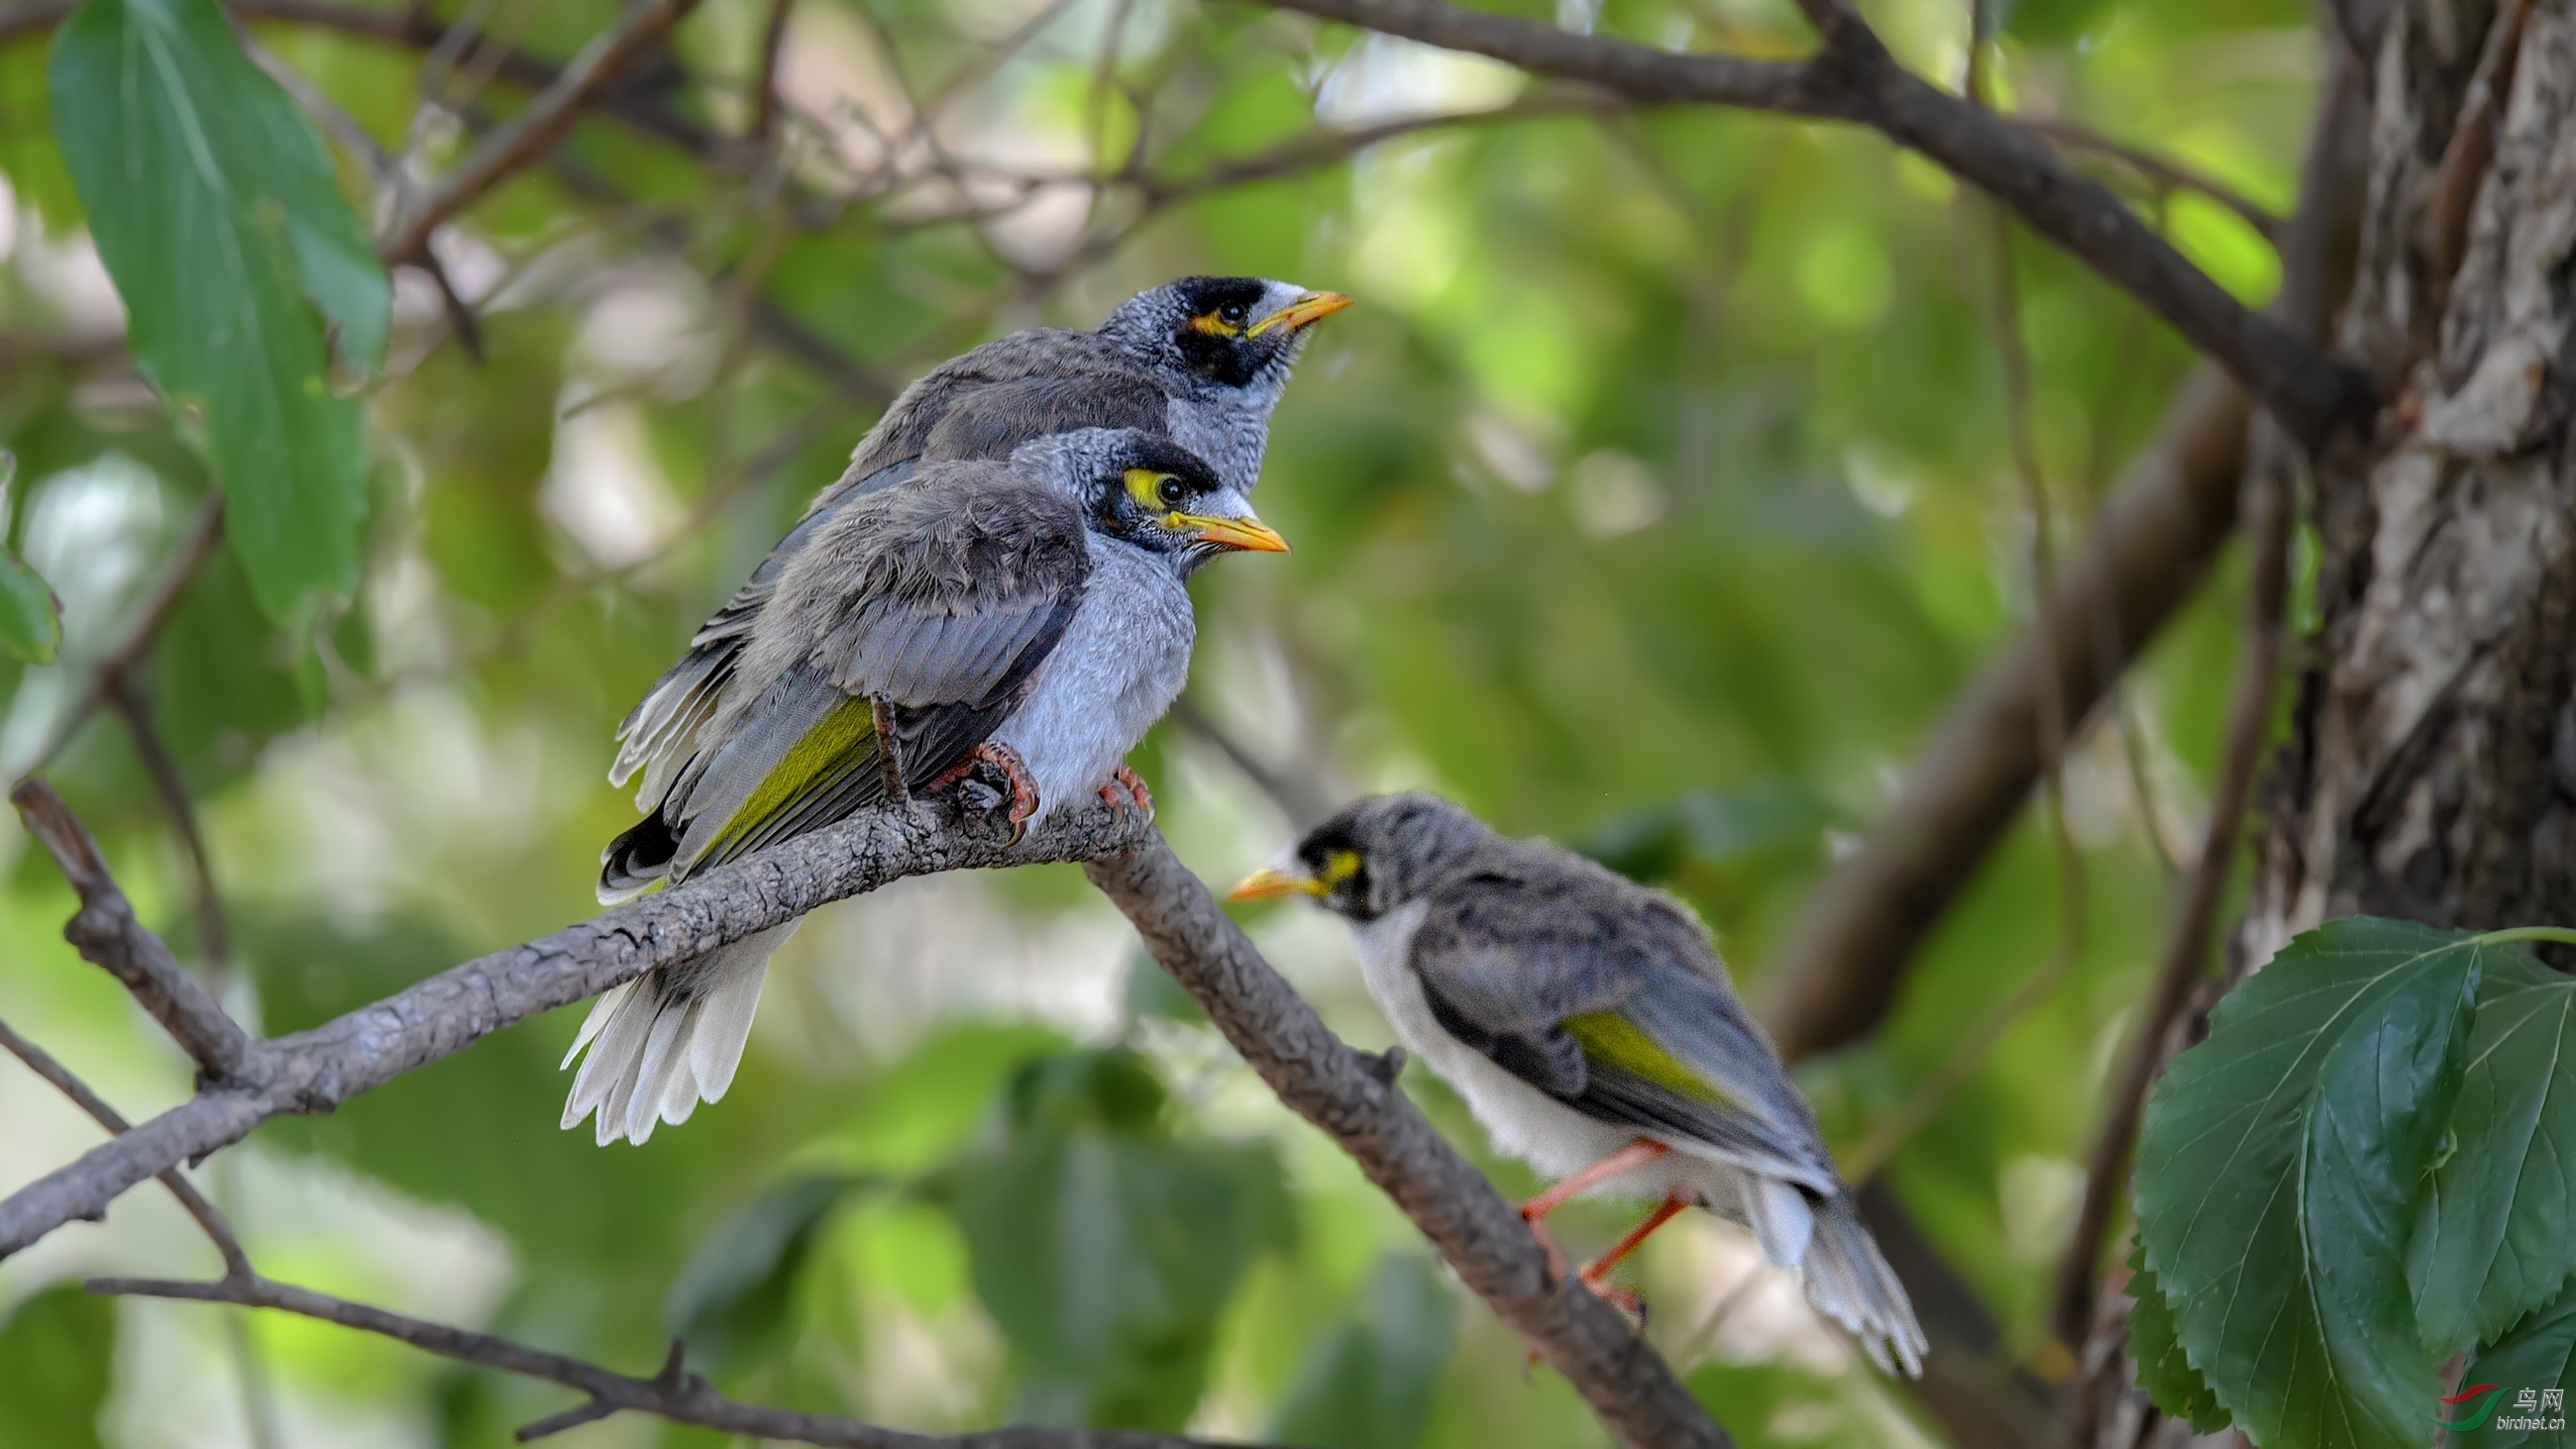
[(1655, 497)]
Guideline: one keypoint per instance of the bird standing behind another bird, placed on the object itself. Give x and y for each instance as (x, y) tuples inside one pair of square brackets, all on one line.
[(1589, 1024), (1200, 361), (1030, 615)]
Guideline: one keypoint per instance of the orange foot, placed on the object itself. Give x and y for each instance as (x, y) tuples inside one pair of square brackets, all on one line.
[(1534, 1212), (976, 777), (1126, 788)]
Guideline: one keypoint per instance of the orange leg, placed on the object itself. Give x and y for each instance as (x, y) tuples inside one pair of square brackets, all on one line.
[(1673, 1203), (1636, 1154), (1534, 1212)]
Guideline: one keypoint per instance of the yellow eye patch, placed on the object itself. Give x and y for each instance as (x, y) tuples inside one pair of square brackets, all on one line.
[(1145, 486), (1214, 325), (1340, 866)]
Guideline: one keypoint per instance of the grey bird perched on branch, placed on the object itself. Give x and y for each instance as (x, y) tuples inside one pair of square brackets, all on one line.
[(1201, 361), (1026, 620), (1589, 1024)]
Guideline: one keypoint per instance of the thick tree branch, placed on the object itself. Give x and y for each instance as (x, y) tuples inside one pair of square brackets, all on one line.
[(2152, 541), (317, 1070), (107, 934), (1341, 1091), (1855, 79), (674, 1393), (525, 138)]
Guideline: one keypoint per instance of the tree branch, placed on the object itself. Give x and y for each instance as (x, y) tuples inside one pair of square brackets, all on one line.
[(2153, 539), (674, 1393), (1454, 1206), (1855, 79), (107, 934), (317, 1070), (525, 138)]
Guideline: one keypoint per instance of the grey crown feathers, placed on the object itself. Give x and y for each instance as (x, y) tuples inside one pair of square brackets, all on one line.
[(1032, 614), (1579, 1012)]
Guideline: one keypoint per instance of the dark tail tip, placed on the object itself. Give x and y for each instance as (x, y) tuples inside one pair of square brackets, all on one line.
[(639, 856)]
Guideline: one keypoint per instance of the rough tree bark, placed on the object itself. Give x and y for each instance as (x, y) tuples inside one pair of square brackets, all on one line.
[(2430, 766)]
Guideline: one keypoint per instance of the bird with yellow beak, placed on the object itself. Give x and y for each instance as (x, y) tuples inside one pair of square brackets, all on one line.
[(1026, 620), (1589, 1024)]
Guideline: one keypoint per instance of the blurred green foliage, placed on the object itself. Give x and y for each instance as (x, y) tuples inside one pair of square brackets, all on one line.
[(1656, 497)]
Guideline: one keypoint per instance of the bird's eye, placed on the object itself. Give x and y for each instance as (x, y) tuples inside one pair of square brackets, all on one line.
[(1231, 314), (1171, 491)]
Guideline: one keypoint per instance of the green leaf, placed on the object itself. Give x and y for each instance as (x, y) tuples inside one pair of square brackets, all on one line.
[(31, 618), (2164, 1370), (2538, 1355), (2279, 1171), (730, 1301), (1103, 1249), (217, 213), (1368, 1383), (2497, 1238), (57, 1357)]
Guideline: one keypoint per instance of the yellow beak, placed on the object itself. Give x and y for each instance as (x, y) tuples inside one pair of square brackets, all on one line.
[(1250, 534), (1271, 883), (1309, 308)]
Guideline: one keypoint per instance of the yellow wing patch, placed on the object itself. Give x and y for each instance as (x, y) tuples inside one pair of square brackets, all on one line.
[(1613, 1040), (837, 738)]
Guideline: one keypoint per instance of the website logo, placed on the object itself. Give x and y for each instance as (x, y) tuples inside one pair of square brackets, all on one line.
[(2475, 1407)]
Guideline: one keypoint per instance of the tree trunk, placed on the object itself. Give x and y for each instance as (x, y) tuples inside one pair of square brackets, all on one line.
[(2430, 766)]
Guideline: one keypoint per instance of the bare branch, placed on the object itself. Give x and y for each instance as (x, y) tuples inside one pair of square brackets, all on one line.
[(2165, 173), (107, 934), (2186, 953), (43, 1064), (317, 1070), (1855, 79), (675, 1393), (524, 139), (1334, 1087), (2153, 539), (214, 938)]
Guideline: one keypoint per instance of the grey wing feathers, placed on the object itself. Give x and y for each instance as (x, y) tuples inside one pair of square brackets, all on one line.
[(934, 594), (1545, 936), (979, 405)]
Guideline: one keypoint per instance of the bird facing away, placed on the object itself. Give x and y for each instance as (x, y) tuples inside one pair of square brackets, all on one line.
[(1589, 1024), (1030, 616), (1200, 361)]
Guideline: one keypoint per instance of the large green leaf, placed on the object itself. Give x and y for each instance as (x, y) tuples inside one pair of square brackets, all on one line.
[(216, 211), (2497, 1238), (1368, 1383), (2538, 1356), (2164, 1370), (57, 1357), (2279, 1172), (1103, 1249)]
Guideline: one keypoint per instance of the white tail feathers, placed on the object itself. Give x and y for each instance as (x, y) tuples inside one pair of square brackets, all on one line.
[(1848, 1281), (668, 1040)]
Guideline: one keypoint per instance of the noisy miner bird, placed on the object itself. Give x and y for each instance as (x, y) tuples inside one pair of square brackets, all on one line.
[(1030, 616), (1201, 361), (1588, 1022)]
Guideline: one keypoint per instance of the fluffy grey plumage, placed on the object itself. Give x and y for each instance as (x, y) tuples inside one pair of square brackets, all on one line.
[(1038, 604), (1200, 361), (1578, 1012)]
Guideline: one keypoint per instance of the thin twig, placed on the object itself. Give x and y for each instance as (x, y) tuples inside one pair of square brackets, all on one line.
[(199, 545), (107, 933), (2163, 172), (2186, 953), (525, 139), (675, 1393), (208, 1217), (214, 939), (765, 99)]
